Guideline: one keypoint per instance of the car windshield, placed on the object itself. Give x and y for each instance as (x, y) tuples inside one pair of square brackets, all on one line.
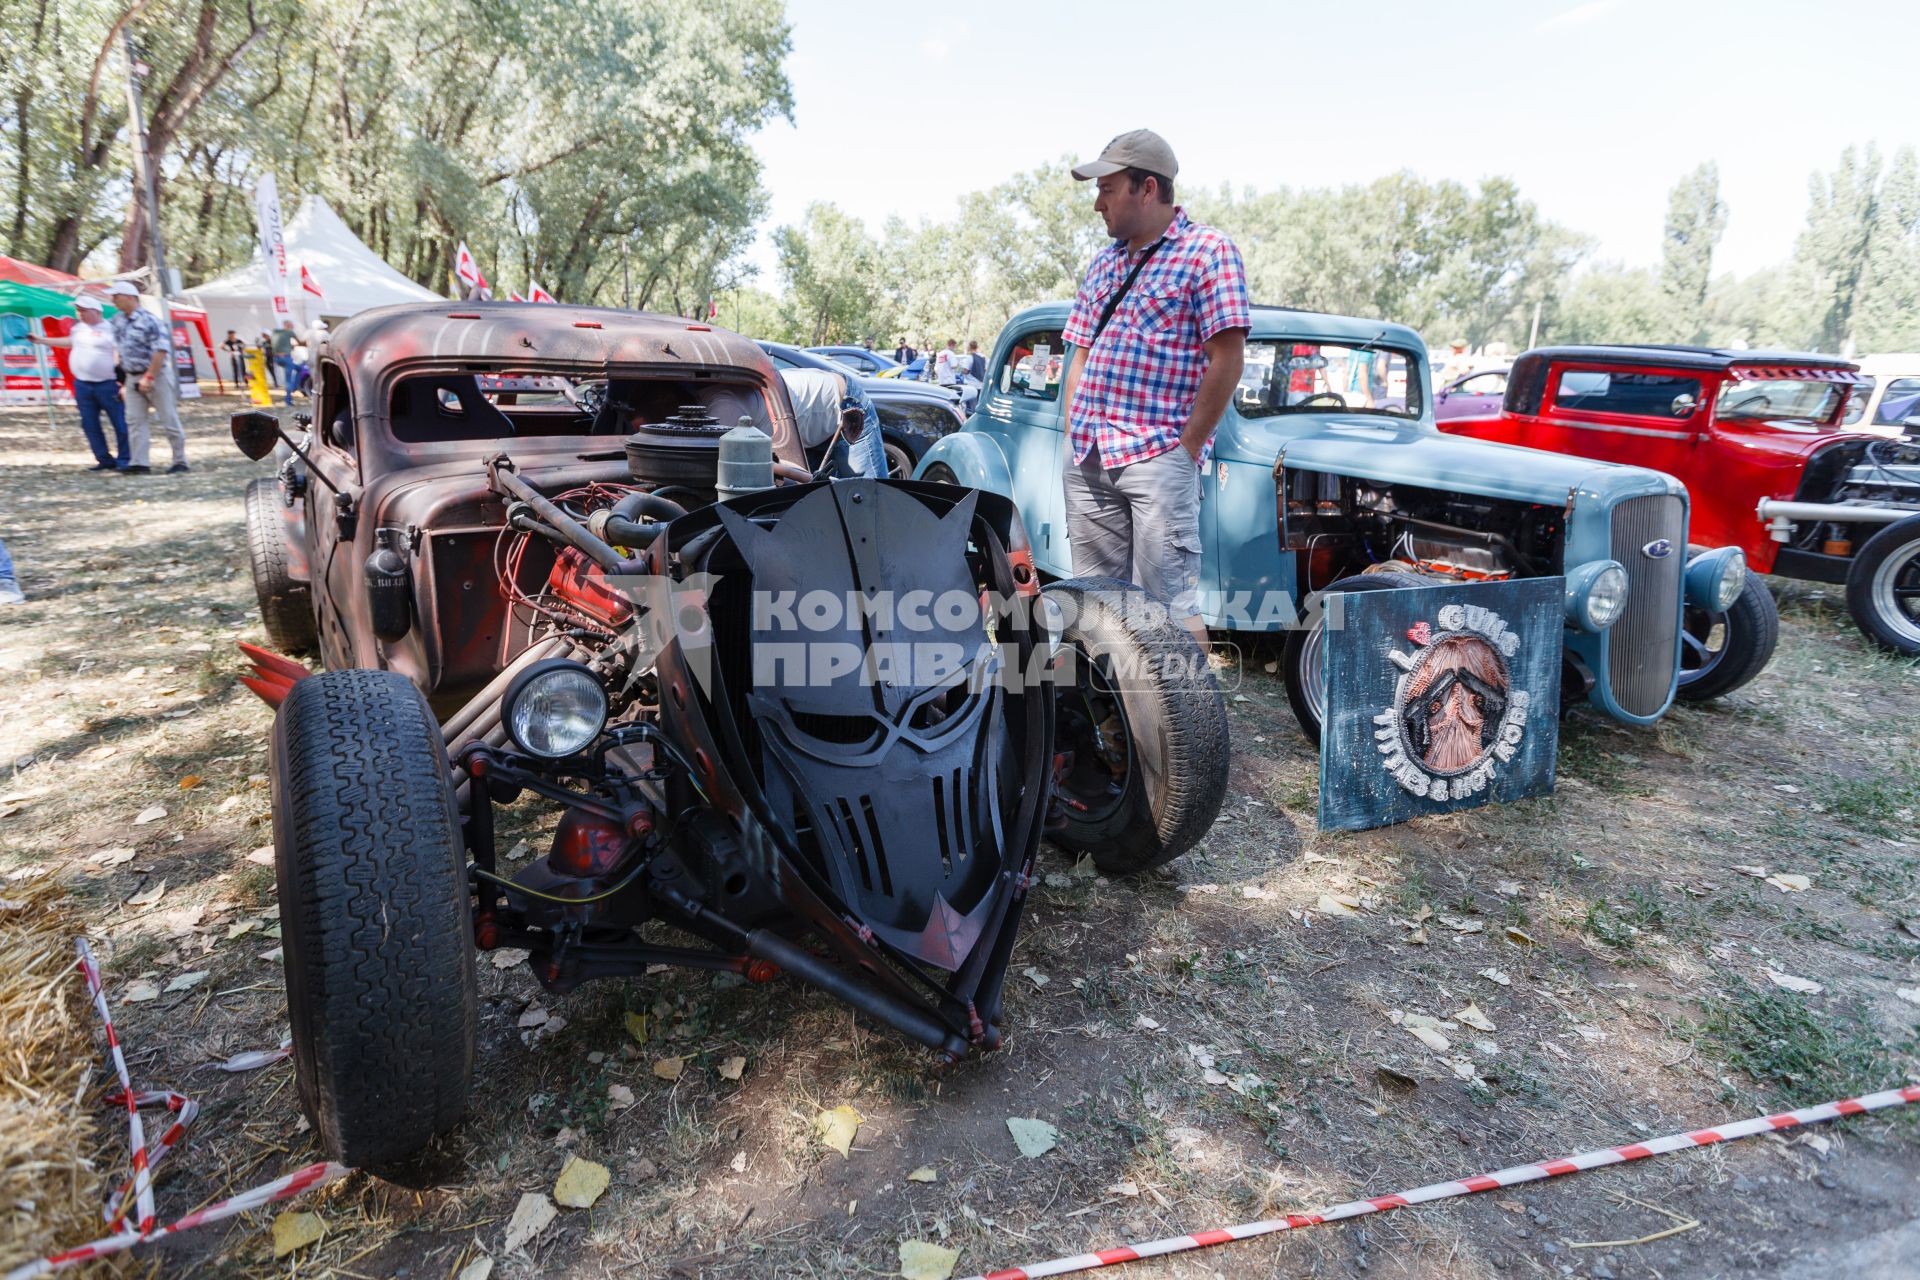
[(1788, 401), (1315, 377)]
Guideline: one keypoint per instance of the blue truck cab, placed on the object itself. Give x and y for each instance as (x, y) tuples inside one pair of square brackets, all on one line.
[(1327, 468)]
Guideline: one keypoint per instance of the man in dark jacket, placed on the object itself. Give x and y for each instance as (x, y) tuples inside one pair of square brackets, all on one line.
[(905, 353)]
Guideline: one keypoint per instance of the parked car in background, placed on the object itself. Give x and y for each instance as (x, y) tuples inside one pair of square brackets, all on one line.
[(1327, 474), (868, 364), (912, 415), (1757, 437), (1887, 400), (1471, 393)]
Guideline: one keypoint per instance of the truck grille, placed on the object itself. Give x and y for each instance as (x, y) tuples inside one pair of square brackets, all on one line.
[(1640, 647)]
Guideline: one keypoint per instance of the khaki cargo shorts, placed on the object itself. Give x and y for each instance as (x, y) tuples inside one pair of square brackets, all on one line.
[(1139, 523)]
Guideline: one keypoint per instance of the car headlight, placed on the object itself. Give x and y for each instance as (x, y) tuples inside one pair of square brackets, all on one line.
[(1716, 578), (1596, 595), (555, 708), (1732, 582)]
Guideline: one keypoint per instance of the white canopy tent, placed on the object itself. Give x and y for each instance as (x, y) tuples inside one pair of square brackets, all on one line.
[(352, 277)]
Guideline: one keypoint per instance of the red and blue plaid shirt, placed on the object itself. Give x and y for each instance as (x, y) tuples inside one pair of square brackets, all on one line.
[(1138, 388)]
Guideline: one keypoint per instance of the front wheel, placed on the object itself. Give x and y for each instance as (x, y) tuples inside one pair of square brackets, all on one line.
[(1140, 741), (286, 604), (375, 916), (1883, 588), (1719, 652), (1304, 662), (940, 473)]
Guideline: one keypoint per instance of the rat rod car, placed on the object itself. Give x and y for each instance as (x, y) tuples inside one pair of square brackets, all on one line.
[(809, 724), (1758, 438), (1328, 475)]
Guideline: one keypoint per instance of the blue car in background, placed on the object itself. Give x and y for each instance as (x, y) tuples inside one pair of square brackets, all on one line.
[(868, 364), (913, 416), (1328, 474)]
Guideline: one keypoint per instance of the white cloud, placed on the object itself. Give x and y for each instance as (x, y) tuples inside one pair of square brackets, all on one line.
[(939, 48), (936, 48), (1579, 15)]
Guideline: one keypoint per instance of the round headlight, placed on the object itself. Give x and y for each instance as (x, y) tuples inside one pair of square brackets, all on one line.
[(1733, 580), (1607, 597), (555, 708)]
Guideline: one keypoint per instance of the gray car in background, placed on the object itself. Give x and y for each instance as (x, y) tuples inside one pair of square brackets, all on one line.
[(912, 414)]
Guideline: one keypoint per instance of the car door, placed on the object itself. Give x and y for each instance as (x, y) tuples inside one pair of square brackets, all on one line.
[(1640, 416), (1473, 396), (1026, 398)]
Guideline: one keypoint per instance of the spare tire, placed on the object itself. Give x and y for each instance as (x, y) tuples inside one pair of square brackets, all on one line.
[(375, 915), (286, 604), (1883, 588), (1304, 664), (1141, 742)]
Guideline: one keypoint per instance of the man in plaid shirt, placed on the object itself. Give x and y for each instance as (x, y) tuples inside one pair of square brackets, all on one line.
[(1155, 363)]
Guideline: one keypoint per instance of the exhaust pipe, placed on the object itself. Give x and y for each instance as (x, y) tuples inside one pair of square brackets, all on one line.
[(1838, 512)]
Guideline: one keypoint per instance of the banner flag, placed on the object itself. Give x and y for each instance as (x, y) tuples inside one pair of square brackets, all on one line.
[(308, 283), (466, 270), (273, 246), (536, 294)]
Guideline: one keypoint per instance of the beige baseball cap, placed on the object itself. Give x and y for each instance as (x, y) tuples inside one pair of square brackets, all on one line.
[(1138, 149)]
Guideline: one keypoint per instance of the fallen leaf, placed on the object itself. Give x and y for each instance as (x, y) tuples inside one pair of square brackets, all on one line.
[(1508, 888), (1431, 1038), (149, 895), (836, 1128), (153, 814), (732, 1068), (254, 1059), (1395, 1076), (1791, 983), (924, 1173), (581, 1182), (261, 857), (923, 1260), (1338, 905), (507, 957), (637, 1026), (739, 1162), (534, 1214), (1129, 1189), (293, 1231), (1459, 925), (140, 993), (1758, 873), (191, 781), (479, 1269), (112, 857), (520, 850), (187, 981), (274, 956), (1496, 977), (669, 1068), (1521, 936), (228, 806), (1145, 1023), (619, 1097), (1787, 787), (533, 1016), (1034, 976), (1213, 1076), (1419, 936), (241, 928), (1789, 883), (1472, 1017), (1034, 1137), (1910, 994)]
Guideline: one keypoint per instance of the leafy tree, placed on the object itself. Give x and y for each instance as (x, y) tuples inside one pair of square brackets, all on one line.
[(1696, 218), (831, 269), (1612, 304), (1830, 256), (1886, 316)]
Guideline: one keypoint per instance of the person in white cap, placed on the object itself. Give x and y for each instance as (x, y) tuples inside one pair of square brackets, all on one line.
[(1159, 331), (96, 390), (146, 353)]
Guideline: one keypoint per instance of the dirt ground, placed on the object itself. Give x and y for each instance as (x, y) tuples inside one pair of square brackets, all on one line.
[(1621, 960)]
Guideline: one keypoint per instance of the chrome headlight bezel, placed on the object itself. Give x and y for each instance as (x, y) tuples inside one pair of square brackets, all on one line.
[(1596, 595), (543, 726)]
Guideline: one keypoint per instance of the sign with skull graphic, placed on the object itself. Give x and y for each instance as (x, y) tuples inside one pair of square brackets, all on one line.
[(1439, 698)]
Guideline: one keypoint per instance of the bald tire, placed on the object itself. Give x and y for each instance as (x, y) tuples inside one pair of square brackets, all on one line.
[(286, 606), (375, 916), (1176, 717)]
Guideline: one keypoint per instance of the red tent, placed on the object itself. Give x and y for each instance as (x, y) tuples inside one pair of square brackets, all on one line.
[(26, 273)]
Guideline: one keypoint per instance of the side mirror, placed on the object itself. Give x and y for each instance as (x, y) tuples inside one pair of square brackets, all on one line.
[(1683, 405), (255, 433)]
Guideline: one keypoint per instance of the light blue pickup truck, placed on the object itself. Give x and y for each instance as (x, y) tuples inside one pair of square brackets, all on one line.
[(1328, 474)]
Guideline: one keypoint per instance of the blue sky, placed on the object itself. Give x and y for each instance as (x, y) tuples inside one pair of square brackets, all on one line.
[(1594, 107)]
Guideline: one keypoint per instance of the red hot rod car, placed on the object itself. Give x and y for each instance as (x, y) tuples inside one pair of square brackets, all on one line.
[(1756, 437)]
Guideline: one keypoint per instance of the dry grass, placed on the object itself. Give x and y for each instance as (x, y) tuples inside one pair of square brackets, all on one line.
[(50, 1187)]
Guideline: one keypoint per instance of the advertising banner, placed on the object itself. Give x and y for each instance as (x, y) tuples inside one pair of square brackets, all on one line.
[(273, 246), (1439, 698), (187, 380), (31, 375)]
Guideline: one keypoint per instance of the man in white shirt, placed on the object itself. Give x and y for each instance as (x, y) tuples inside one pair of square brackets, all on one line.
[(95, 388)]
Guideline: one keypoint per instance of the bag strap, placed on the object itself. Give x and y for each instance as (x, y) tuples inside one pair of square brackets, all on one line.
[(1113, 303)]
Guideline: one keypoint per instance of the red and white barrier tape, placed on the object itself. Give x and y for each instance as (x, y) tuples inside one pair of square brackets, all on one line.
[(1466, 1186), (140, 1184)]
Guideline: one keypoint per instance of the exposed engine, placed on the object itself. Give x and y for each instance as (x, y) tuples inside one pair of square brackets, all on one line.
[(1343, 526), (1866, 471)]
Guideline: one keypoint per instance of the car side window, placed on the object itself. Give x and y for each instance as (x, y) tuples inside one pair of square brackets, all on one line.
[(1034, 366), (1484, 384), (1639, 395), (1900, 404)]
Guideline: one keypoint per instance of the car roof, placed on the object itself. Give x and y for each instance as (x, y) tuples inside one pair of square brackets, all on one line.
[(889, 388), (1685, 357), (1271, 321)]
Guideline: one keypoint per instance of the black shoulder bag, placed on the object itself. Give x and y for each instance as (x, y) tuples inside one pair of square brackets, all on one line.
[(1113, 303)]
